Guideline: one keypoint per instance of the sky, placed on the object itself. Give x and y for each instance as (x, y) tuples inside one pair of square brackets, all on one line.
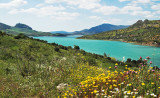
[(75, 15)]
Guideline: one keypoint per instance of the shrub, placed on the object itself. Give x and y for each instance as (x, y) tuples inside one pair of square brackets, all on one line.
[(76, 47), (21, 36), (56, 49)]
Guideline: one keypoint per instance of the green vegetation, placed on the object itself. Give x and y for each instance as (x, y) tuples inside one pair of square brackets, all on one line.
[(24, 29), (34, 68), (142, 32), (31, 67)]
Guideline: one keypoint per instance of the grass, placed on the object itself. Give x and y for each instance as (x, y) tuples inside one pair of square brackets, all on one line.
[(35, 68)]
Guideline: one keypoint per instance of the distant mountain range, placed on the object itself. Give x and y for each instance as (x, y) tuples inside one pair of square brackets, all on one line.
[(93, 30), (145, 32), (62, 32), (25, 29), (99, 29)]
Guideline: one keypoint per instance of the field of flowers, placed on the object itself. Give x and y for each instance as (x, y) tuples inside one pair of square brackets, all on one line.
[(142, 82)]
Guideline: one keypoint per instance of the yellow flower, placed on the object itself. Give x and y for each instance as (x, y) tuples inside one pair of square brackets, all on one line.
[(126, 65), (133, 97), (159, 87), (152, 83), (129, 84), (116, 64), (110, 67), (95, 91), (143, 84), (128, 92)]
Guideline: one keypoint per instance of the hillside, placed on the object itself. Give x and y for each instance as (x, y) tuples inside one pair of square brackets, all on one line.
[(145, 32), (25, 29), (28, 70), (99, 29)]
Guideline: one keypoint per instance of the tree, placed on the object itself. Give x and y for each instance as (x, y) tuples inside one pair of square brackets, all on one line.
[(76, 47), (21, 36), (105, 56)]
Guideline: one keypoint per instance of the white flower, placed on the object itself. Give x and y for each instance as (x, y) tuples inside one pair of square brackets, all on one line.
[(124, 92), (155, 95), (136, 92), (125, 96), (152, 94), (116, 89), (134, 89), (61, 86)]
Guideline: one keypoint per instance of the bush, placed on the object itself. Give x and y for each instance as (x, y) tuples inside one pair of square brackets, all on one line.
[(21, 36), (56, 49), (76, 47)]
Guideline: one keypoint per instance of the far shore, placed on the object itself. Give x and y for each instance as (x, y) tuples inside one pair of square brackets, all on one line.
[(134, 43)]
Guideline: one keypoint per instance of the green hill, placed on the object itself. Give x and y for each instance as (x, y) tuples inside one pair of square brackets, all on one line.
[(24, 29), (29, 67), (145, 32), (33, 68)]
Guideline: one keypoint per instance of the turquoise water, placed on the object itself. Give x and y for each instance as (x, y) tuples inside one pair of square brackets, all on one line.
[(113, 48)]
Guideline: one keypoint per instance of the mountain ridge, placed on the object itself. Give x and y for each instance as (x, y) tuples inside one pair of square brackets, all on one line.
[(24, 29), (142, 32), (99, 28)]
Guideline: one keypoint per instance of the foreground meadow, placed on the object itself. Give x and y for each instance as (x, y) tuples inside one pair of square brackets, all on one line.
[(34, 68)]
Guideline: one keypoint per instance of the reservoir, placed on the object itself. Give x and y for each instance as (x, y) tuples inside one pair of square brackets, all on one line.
[(116, 49)]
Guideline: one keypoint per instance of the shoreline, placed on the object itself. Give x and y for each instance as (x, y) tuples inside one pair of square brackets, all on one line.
[(134, 43)]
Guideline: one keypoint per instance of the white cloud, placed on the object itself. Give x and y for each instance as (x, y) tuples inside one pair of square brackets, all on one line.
[(107, 10), (112, 21), (84, 4), (95, 17), (129, 9), (123, 0), (54, 12), (156, 7), (13, 4), (143, 1)]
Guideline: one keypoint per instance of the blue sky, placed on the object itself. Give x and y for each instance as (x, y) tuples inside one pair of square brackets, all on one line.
[(74, 15)]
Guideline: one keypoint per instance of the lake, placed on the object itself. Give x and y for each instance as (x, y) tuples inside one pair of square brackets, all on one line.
[(116, 49)]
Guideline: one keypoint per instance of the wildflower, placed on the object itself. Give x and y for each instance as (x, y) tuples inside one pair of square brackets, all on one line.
[(125, 96), (133, 97), (116, 64), (125, 92), (126, 65), (143, 84), (128, 92), (115, 67), (140, 57), (155, 95), (148, 57), (129, 84), (136, 92), (152, 94), (150, 62), (152, 83), (159, 87), (110, 67), (95, 91)]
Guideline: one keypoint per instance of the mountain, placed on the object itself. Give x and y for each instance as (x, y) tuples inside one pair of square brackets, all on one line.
[(99, 29), (20, 25), (61, 32), (145, 32), (4, 26), (25, 29)]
